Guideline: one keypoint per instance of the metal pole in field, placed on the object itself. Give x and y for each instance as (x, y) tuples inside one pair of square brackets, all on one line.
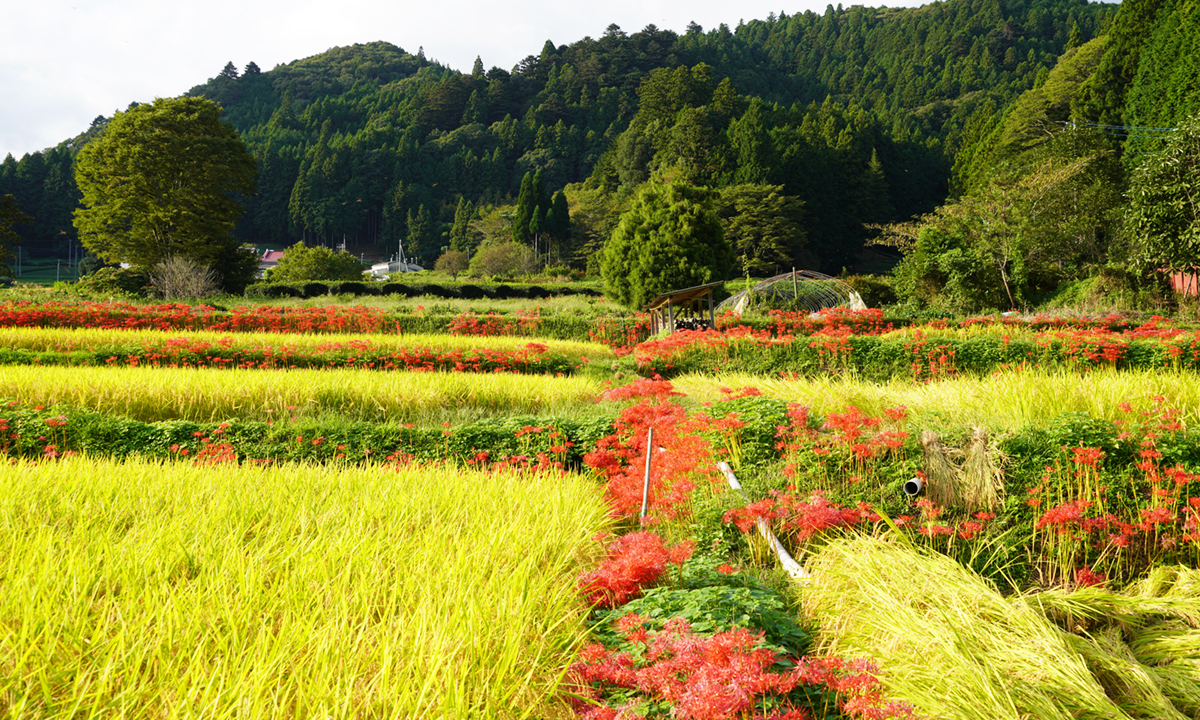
[(646, 482)]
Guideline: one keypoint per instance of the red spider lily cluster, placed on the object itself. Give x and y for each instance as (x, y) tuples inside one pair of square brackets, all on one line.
[(830, 321), (721, 675), (651, 387), (214, 449), (1123, 527), (177, 316), (633, 562), (851, 439), (533, 456), (828, 336), (728, 674), (930, 362), (681, 455), (620, 333), (1091, 346), (654, 352), (800, 517), (833, 347), (252, 354)]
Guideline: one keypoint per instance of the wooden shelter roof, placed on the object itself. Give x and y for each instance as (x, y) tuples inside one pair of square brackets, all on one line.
[(682, 297)]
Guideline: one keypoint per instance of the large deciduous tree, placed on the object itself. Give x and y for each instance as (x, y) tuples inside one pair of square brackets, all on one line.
[(1163, 217), (669, 239), (301, 263), (163, 181)]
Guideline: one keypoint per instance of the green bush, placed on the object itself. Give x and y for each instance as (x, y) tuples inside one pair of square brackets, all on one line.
[(315, 289), (875, 290), (117, 281), (301, 263), (353, 287)]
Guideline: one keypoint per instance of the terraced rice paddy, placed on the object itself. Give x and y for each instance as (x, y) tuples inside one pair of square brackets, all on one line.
[(146, 590)]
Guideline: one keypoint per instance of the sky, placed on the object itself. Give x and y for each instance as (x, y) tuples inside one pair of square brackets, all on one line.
[(65, 62)]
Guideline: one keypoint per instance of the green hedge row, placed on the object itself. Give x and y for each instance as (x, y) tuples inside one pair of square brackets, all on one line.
[(446, 291), (219, 357), (37, 432), (877, 358)]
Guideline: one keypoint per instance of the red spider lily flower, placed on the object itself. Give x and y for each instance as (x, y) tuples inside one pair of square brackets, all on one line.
[(1086, 577)]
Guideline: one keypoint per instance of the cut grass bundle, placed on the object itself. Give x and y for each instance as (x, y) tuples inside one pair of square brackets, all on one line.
[(973, 484), (205, 395), (983, 481), (940, 473), (947, 641), (146, 590)]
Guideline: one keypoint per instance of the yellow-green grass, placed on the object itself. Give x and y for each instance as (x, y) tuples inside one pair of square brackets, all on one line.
[(67, 339), (152, 394), (145, 590), (1003, 400), (946, 641)]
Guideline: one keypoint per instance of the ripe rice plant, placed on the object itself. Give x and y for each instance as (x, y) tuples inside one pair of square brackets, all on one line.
[(1006, 400), (146, 590), (152, 394), (24, 346), (68, 339), (948, 642)]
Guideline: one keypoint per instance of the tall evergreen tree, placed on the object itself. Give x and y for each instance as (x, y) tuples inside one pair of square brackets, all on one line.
[(526, 206), (421, 239), (460, 232)]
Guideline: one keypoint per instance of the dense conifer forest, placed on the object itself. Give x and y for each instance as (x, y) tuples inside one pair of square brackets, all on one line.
[(857, 116)]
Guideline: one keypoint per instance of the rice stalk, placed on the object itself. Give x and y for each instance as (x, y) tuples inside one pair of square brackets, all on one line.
[(946, 640), (153, 394), (149, 590), (68, 339), (1172, 581), (1180, 682), (1130, 684), (1166, 642), (1001, 401), (1092, 605)]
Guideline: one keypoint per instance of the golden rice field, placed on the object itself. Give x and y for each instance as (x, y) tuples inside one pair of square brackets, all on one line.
[(1002, 400), (146, 590), (206, 394), (68, 339)]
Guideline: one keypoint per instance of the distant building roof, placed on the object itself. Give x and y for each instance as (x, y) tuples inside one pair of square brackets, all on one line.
[(272, 256), (389, 268)]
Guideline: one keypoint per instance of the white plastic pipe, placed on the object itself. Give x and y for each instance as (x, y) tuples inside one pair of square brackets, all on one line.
[(788, 562)]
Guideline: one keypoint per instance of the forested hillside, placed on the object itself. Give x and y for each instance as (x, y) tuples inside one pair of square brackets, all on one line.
[(857, 112)]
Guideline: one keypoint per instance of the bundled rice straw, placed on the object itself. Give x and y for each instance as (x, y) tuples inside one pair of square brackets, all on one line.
[(940, 472), (982, 480)]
